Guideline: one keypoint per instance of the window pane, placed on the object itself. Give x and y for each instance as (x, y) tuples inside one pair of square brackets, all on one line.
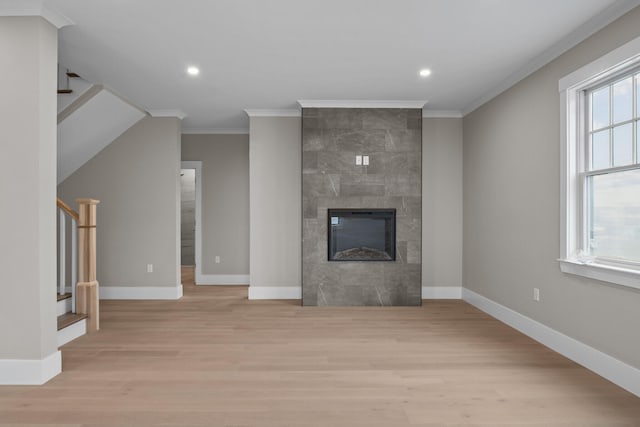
[(600, 108), (614, 223), (600, 150), (623, 145), (623, 100), (637, 95)]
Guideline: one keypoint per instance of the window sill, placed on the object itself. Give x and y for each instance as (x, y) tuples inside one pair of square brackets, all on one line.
[(617, 275)]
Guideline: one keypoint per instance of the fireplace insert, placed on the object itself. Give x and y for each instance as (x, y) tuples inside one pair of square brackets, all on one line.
[(362, 234)]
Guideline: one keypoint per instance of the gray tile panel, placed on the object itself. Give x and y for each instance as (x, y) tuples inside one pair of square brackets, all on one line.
[(331, 138)]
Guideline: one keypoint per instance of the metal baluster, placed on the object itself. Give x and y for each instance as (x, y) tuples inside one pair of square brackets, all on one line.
[(62, 249), (74, 263)]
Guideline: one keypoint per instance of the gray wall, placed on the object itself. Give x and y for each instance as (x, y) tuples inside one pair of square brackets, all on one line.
[(512, 211), (136, 179), (331, 139), (29, 47), (225, 200), (441, 202), (275, 202)]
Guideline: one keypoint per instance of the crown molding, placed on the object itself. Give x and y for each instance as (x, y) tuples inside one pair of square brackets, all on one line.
[(360, 103), (34, 8), (442, 114), (167, 113), (272, 113), (595, 24), (215, 131)]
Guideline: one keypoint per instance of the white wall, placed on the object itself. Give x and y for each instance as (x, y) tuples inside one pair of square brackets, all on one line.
[(225, 200), (136, 179), (28, 345), (441, 207), (512, 211), (275, 204)]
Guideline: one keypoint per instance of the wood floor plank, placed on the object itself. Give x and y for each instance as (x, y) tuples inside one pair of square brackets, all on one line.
[(215, 358)]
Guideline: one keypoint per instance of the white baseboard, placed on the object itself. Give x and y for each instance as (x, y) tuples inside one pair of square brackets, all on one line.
[(63, 306), (141, 292), (30, 372), (72, 332), (275, 292), (441, 292), (222, 279), (616, 371)]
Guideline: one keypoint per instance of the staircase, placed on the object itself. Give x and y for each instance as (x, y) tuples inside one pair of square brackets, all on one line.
[(70, 325), (90, 117), (77, 290)]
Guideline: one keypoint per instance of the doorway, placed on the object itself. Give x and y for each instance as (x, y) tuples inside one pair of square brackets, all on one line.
[(190, 198), (188, 217)]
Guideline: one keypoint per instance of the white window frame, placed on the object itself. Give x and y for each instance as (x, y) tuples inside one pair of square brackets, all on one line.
[(573, 164)]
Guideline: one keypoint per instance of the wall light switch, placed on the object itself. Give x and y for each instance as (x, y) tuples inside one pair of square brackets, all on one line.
[(536, 294), (358, 160), (217, 259), (149, 268), (365, 160)]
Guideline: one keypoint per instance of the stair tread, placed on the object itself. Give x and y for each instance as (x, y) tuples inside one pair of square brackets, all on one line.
[(63, 296), (69, 319)]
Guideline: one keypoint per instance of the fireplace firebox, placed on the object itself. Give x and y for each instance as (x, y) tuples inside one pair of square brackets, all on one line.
[(362, 234)]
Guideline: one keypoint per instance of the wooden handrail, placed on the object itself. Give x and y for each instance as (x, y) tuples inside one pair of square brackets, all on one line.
[(65, 207)]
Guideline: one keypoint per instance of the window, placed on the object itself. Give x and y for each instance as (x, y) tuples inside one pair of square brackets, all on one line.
[(601, 168)]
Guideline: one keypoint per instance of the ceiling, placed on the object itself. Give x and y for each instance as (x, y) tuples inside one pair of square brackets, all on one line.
[(257, 54)]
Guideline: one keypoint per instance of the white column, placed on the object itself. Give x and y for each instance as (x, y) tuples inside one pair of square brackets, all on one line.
[(28, 347)]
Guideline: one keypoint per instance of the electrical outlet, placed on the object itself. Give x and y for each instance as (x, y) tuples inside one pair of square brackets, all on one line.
[(358, 160), (217, 259), (365, 160), (536, 294), (149, 268)]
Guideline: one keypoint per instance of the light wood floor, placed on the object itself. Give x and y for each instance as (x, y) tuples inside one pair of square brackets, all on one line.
[(214, 358)]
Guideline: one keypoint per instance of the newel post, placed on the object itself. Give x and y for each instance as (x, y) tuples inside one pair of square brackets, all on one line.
[(87, 292)]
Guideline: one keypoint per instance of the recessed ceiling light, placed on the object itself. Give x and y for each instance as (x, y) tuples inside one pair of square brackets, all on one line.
[(193, 71), (425, 72)]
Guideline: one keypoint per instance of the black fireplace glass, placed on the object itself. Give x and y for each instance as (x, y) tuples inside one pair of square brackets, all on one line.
[(362, 234)]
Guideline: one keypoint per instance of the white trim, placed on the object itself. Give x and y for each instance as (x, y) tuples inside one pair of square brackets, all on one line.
[(572, 165), (216, 131), (616, 371), (141, 292), (444, 114), (441, 292), (197, 165), (63, 306), (275, 292), (606, 273), (595, 24), (72, 332), (359, 103), (625, 55), (30, 372), (35, 8), (122, 97), (167, 113), (272, 113), (222, 279)]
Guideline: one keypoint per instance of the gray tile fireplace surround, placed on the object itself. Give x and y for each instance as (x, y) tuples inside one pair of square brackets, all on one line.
[(331, 139)]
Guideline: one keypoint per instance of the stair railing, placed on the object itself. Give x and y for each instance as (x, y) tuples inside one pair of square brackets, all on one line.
[(85, 297), (65, 212)]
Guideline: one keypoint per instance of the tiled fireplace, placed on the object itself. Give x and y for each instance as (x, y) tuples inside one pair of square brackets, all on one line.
[(361, 192)]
